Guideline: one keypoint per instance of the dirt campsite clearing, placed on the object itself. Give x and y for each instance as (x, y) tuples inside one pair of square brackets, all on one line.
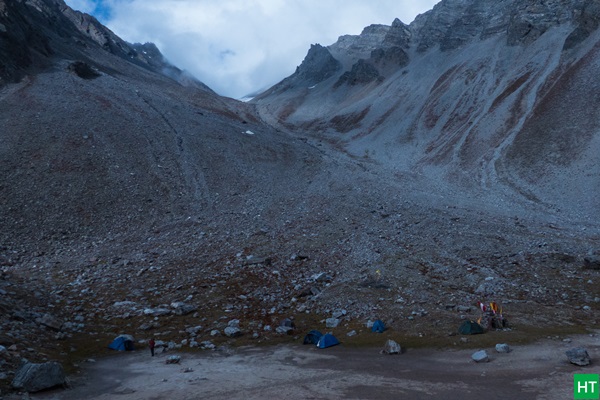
[(533, 371)]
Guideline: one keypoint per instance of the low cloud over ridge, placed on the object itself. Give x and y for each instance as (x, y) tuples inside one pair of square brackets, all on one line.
[(240, 46)]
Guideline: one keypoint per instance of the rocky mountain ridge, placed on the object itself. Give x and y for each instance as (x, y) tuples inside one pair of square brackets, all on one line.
[(464, 94), (32, 31)]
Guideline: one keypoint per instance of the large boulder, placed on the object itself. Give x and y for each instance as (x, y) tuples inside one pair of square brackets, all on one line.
[(35, 377), (579, 356)]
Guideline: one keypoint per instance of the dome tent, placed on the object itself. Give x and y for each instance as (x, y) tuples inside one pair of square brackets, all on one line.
[(378, 326), (312, 337), (470, 328), (327, 340), (122, 343)]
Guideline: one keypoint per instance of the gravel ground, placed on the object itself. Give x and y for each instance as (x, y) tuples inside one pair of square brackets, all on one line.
[(535, 371)]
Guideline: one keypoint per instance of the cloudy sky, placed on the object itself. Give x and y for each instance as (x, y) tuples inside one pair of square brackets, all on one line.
[(241, 46)]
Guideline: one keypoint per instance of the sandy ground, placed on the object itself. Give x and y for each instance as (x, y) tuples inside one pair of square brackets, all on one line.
[(536, 371)]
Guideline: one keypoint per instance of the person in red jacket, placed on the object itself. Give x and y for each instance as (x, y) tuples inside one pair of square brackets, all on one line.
[(151, 344)]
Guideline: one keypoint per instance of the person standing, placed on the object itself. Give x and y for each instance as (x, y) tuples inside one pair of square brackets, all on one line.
[(151, 344)]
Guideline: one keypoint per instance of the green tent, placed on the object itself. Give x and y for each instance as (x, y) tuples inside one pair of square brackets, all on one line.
[(470, 328)]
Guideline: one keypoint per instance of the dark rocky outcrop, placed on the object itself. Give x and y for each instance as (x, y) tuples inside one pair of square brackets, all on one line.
[(592, 263), (394, 57), (317, 66), (361, 73), (34, 33), (587, 20), (399, 35), (83, 70)]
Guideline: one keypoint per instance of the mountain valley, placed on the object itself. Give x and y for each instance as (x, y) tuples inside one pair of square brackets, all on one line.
[(406, 174)]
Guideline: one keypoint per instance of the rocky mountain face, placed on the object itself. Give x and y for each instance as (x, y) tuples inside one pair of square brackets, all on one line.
[(32, 32), (403, 174), (490, 96)]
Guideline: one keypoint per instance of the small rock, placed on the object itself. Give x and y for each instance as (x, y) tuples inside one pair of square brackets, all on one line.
[(480, 356), (207, 345), (288, 323), (502, 348), (391, 347), (148, 326), (332, 322), (578, 356), (173, 359), (50, 322), (232, 332), (194, 330), (157, 312), (351, 333), (285, 330), (180, 308)]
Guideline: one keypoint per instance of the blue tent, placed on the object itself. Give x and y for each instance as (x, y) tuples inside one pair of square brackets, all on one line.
[(327, 340), (378, 326), (312, 337), (122, 343)]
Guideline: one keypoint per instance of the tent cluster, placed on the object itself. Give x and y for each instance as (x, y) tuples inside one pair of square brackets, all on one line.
[(322, 341), (328, 340)]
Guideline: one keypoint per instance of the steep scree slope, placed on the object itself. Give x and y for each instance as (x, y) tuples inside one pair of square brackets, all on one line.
[(493, 99)]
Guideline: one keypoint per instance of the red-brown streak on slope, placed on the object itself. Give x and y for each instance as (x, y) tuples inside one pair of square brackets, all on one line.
[(510, 89), (346, 122), (570, 103), (444, 79), (475, 146)]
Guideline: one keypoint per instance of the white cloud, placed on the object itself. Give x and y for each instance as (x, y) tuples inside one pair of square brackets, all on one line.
[(86, 6), (240, 46)]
